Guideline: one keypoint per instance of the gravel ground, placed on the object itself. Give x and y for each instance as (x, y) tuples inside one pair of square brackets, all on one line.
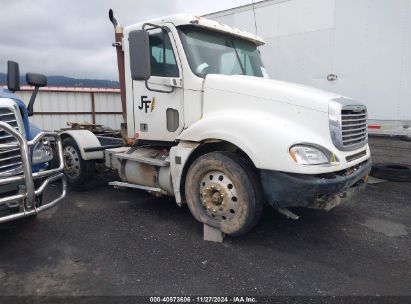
[(390, 150), (126, 242)]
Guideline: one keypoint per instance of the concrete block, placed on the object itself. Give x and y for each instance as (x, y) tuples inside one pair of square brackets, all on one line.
[(212, 234)]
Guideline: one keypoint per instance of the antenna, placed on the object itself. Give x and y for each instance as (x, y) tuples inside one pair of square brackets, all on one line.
[(255, 19)]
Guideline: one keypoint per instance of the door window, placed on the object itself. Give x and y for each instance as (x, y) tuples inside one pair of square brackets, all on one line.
[(163, 61)]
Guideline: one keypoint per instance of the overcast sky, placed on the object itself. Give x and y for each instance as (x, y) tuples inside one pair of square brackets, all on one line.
[(73, 37)]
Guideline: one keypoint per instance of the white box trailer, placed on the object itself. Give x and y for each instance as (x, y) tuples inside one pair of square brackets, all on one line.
[(358, 48)]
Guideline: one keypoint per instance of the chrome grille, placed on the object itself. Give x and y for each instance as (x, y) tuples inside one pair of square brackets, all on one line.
[(348, 124), (10, 159), (354, 126)]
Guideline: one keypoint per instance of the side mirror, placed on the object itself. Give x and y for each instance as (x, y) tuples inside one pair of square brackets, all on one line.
[(13, 76), (36, 80), (139, 46)]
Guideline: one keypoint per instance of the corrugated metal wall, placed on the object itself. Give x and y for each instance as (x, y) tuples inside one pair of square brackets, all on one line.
[(54, 107)]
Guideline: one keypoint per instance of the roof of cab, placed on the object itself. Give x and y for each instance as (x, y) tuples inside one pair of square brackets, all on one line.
[(187, 19)]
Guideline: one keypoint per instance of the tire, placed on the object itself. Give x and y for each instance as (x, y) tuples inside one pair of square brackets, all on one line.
[(392, 172), (77, 170), (223, 191)]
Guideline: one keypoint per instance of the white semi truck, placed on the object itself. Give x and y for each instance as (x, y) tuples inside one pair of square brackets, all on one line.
[(205, 124)]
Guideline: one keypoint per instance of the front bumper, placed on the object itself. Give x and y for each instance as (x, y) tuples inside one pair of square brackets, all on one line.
[(282, 190), (26, 198)]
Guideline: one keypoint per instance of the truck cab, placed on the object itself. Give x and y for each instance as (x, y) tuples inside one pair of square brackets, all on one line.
[(206, 124), (30, 159)]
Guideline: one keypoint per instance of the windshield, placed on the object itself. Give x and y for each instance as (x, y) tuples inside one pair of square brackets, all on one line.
[(211, 52)]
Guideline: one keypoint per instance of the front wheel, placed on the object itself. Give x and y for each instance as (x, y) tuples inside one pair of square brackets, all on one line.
[(77, 170), (222, 191)]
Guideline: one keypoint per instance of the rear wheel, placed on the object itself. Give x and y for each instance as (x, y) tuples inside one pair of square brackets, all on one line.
[(77, 170), (222, 191)]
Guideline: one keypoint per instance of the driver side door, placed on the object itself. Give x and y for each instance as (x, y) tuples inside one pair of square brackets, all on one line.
[(158, 106)]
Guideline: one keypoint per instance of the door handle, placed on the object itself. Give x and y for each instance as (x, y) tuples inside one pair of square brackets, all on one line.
[(165, 81)]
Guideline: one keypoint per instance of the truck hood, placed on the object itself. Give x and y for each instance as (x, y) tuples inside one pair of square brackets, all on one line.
[(264, 118), (274, 90)]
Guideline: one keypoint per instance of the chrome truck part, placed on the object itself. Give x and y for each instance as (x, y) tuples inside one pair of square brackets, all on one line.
[(26, 199), (348, 124)]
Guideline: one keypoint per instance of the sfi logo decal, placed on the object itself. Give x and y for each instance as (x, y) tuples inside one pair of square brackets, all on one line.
[(147, 104)]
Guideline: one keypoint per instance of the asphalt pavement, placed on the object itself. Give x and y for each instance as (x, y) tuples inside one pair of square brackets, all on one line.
[(126, 242)]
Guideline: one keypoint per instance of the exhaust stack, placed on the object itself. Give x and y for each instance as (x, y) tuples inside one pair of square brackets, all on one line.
[(118, 29), (113, 20)]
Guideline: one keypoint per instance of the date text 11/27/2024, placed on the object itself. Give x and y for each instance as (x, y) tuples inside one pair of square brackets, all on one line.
[(203, 300)]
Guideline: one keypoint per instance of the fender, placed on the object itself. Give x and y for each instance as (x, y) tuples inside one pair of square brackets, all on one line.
[(85, 139), (178, 158)]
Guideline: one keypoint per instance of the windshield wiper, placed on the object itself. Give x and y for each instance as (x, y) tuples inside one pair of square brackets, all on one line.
[(238, 56)]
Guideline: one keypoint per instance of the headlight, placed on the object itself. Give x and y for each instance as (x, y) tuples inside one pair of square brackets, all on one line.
[(42, 152), (310, 155)]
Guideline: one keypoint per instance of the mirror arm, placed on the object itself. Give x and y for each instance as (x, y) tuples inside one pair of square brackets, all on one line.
[(158, 91), (30, 107), (154, 26)]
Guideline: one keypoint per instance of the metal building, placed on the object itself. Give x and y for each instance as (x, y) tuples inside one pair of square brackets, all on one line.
[(358, 48), (55, 106)]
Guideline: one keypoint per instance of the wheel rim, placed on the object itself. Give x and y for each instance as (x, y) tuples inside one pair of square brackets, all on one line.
[(218, 196), (71, 162)]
